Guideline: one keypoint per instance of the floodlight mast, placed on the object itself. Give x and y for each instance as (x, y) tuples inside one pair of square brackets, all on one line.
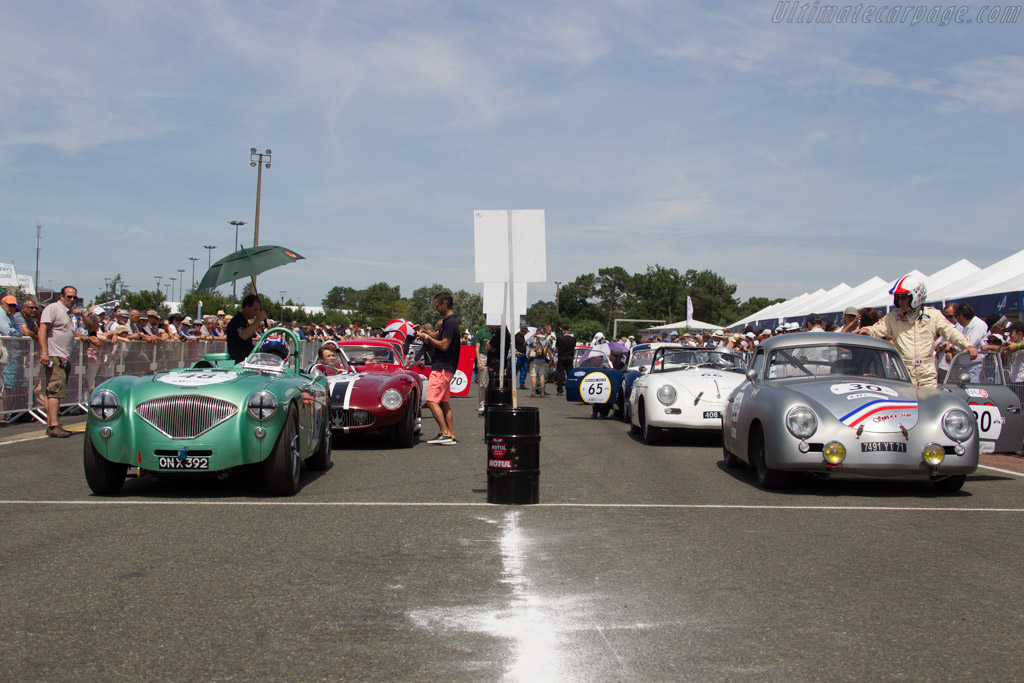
[(256, 159)]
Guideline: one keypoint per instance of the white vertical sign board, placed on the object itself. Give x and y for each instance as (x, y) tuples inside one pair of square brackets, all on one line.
[(8, 275), (495, 303), (28, 285), (491, 243)]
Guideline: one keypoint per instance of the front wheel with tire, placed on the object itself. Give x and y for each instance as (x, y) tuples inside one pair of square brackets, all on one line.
[(105, 478), (767, 478), (320, 461), (651, 434), (405, 431), (281, 469), (731, 461), (950, 484)]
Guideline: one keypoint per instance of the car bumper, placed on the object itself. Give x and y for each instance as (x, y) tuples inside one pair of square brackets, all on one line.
[(233, 443), (863, 460), (706, 415)]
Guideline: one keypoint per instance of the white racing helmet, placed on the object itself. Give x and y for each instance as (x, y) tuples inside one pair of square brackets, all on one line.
[(912, 286)]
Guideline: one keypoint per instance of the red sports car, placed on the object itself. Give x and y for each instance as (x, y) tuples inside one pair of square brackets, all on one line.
[(372, 389)]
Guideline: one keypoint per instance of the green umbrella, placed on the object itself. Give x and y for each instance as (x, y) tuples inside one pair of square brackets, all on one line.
[(246, 263)]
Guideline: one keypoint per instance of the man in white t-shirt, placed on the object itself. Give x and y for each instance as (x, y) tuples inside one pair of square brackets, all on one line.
[(975, 329), (56, 342)]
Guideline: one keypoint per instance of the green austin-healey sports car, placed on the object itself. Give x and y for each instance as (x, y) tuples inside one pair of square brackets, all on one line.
[(212, 419)]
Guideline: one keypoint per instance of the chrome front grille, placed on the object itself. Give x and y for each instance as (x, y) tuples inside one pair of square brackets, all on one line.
[(341, 418), (185, 417)]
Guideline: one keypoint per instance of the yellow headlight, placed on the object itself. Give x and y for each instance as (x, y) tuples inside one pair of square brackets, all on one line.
[(933, 454), (834, 452)]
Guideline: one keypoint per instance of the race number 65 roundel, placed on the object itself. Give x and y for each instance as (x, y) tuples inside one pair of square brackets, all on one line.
[(596, 388)]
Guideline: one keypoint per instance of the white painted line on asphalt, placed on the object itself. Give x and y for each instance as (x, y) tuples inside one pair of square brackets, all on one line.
[(637, 506), (999, 469)]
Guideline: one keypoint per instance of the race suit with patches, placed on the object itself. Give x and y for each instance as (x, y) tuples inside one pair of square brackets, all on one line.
[(914, 337)]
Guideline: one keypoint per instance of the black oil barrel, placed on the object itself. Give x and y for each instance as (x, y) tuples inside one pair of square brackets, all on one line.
[(513, 455), (493, 396)]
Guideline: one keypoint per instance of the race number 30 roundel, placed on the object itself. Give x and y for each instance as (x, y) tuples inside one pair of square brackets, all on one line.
[(596, 388)]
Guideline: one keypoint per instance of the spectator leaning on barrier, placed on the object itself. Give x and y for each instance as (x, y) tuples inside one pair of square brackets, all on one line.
[(8, 307), (30, 314), (1013, 352), (56, 337), (11, 356), (973, 327)]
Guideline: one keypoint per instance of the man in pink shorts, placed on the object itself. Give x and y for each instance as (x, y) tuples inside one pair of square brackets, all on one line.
[(444, 344)]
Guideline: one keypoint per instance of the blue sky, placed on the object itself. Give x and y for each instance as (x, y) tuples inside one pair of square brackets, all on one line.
[(787, 157)]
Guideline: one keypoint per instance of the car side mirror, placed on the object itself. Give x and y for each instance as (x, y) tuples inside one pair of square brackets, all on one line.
[(963, 379), (752, 375)]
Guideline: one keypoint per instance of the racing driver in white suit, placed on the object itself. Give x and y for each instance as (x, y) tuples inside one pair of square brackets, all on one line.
[(913, 328)]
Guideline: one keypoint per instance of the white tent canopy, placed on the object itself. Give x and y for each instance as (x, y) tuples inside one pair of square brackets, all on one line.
[(989, 280), (955, 282), (683, 325)]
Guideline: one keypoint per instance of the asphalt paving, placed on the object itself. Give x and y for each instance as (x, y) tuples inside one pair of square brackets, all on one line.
[(640, 562)]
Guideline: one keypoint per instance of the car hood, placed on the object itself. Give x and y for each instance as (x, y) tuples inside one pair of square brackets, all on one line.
[(359, 389), (707, 382), (878, 406)]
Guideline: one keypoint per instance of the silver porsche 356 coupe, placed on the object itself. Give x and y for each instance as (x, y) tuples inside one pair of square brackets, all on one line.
[(843, 404)]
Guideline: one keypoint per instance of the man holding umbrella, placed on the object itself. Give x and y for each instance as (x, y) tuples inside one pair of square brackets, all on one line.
[(240, 331)]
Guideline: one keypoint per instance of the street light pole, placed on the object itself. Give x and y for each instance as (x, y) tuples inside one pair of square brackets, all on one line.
[(158, 278), (193, 259), (256, 159), (181, 284), (234, 296), (557, 286), (282, 292), (209, 254), (173, 280)]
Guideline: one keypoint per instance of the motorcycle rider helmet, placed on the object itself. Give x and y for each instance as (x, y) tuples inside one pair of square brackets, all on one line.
[(912, 286)]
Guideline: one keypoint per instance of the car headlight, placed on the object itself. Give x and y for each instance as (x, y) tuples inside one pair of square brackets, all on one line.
[(801, 422), (262, 405), (104, 405), (667, 394), (933, 454), (957, 424), (834, 452), (392, 399)]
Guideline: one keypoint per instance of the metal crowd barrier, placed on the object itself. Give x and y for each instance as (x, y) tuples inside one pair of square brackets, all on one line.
[(22, 390)]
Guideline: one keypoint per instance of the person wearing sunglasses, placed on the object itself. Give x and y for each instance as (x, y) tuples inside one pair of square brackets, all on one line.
[(56, 342), (914, 329)]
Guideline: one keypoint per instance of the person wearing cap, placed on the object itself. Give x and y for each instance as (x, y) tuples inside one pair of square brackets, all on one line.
[(1013, 353), (8, 307), (851, 319), (13, 370), (154, 327)]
